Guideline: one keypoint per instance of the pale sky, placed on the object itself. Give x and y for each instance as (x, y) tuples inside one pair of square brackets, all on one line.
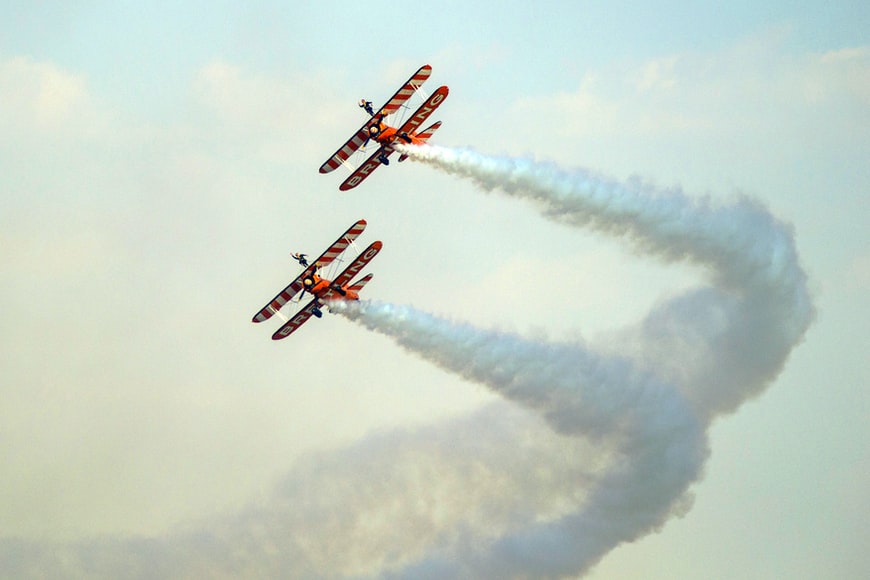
[(158, 165)]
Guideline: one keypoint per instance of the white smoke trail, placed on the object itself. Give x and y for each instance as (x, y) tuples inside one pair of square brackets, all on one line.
[(579, 393), (723, 343), (585, 450), (749, 254)]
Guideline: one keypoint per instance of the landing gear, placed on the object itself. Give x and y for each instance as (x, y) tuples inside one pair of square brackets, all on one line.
[(406, 138), (317, 312), (383, 159)]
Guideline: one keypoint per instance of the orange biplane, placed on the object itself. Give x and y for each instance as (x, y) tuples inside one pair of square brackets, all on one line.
[(385, 135), (321, 289)]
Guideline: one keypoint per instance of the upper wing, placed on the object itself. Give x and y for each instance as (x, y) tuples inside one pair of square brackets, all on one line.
[(295, 286), (364, 170), (291, 325), (405, 92), (396, 101), (423, 112)]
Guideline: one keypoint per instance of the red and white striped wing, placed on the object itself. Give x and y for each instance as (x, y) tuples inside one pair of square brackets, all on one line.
[(423, 112), (405, 92), (357, 265), (294, 323), (364, 170), (345, 151), (292, 289), (341, 244), (359, 138)]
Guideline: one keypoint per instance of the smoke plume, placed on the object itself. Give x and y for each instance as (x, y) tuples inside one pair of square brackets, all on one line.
[(694, 357), (584, 447)]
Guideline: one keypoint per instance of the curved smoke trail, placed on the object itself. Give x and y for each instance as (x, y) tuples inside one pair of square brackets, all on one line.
[(699, 355), (583, 450), (579, 393)]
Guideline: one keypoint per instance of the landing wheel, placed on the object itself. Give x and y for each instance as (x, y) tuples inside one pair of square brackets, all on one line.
[(317, 312), (406, 138), (384, 159)]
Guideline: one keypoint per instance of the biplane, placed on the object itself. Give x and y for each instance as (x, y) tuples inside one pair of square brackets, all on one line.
[(386, 136), (322, 290)]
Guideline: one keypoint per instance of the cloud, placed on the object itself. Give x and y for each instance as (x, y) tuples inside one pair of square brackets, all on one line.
[(39, 94), (41, 100), (279, 115), (758, 86)]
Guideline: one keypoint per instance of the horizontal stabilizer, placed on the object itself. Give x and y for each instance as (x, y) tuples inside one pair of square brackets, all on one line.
[(357, 286)]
